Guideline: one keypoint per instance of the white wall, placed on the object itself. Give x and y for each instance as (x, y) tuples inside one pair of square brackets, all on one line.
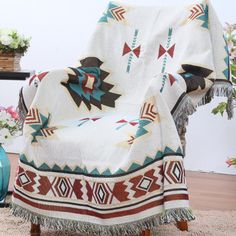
[(60, 30)]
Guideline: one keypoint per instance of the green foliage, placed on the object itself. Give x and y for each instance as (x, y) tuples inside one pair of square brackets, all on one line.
[(230, 38), (220, 108), (12, 42)]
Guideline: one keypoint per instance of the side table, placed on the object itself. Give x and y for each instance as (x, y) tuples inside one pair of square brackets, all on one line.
[(15, 75)]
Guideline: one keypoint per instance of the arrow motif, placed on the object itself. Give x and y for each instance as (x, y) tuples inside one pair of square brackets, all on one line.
[(127, 49)]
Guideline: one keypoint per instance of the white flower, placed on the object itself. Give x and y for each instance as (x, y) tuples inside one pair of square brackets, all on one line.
[(22, 43), (5, 135), (14, 44), (5, 31), (6, 40)]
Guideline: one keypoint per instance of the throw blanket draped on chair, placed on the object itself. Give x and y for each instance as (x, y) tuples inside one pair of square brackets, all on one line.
[(103, 153)]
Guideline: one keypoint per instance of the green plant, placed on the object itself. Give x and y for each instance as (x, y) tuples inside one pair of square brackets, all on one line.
[(230, 38), (12, 42)]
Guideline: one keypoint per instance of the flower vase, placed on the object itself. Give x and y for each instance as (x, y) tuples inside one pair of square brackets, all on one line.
[(4, 173), (10, 61)]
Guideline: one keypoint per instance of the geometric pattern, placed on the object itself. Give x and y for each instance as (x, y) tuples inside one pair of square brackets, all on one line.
[(124, 122), (85, 120), (195, 79), (174, 172), (101, 193), (131, 51), (114, 12), (95, 172), (168, 50), (140, 185), (75, 187), (86, 84), (39, 123), (199, 12), (148, 112), (37, 78)]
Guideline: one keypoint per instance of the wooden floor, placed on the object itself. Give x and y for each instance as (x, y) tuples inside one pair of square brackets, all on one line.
[(208, 191)]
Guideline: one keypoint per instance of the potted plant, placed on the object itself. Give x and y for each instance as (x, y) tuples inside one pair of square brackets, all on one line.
[(230, 38), (12, 47), (9, 128)]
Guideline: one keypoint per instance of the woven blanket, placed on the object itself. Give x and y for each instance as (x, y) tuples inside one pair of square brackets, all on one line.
[(103, 154)]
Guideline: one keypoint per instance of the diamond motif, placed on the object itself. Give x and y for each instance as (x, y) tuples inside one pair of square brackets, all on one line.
[(145, 183), (101, 193), (177, 172), (24, 179), (63, 187)]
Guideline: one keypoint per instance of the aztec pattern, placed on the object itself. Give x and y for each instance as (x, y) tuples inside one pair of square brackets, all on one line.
[(131, 51), (95, 172), (165, 52), (111, 163), (199, 12), (195, 77), (86, 84), (39, 123), (113, 12), (37, 78)]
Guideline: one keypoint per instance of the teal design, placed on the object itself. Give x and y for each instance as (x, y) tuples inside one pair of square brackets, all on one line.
[(226, 60), (95, 172), (86, 84), (112, 14), (204, 17), (38, 127), (4, 173), (141, 130), (81, 78)]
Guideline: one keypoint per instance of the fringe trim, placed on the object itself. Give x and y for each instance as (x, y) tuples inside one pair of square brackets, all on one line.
[(186, 107), (184, 110), (126, 229), (21, 108), (220, 89)]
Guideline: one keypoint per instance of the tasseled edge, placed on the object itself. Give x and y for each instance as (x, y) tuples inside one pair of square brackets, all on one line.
[(181, 114), (21, 108), (131, 228), (187, 108), (220, 89)]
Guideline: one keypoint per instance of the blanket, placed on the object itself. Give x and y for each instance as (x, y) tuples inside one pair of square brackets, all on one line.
[(103, 154)]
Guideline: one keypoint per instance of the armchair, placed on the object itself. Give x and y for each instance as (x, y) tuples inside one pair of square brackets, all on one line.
[(103, 154)]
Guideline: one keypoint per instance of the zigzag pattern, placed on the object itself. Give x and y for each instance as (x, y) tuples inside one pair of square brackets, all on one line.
[(199, 12), (33, 117), (196, 11), (77, 170), (148, 112), (118, 13), (113, 12), (48, 131)]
